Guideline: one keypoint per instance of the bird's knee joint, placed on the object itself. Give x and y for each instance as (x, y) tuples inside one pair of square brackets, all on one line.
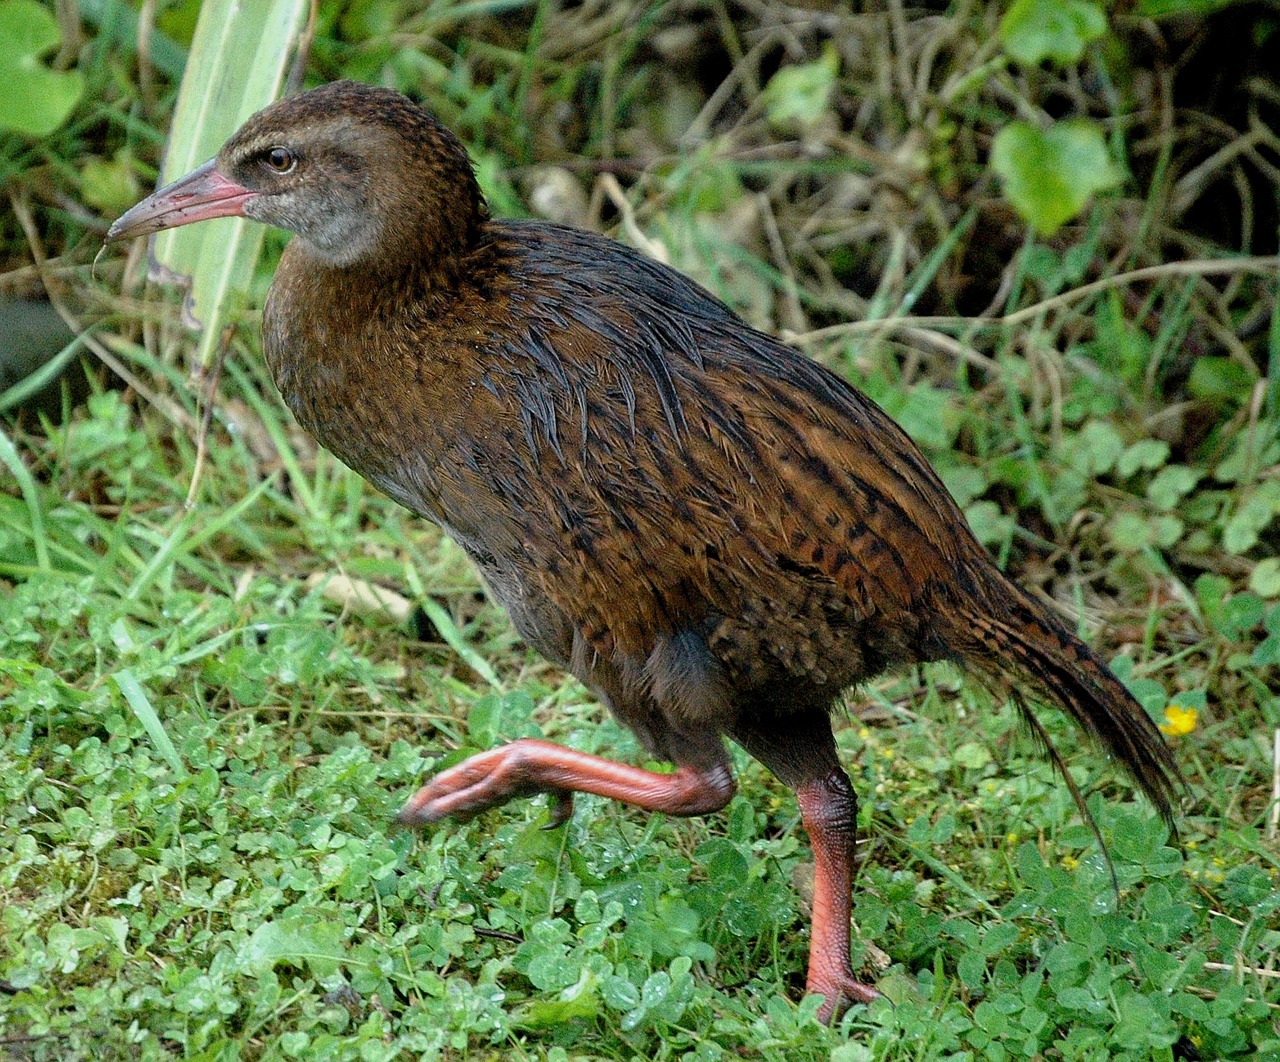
[(715, 789), (829, 804)]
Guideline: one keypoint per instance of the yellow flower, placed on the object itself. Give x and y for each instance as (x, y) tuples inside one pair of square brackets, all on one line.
[(1179, 721)]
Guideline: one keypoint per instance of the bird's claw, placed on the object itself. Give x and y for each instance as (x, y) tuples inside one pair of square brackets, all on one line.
[(462, 791), (842, 995), (479, 783), (559, 808)]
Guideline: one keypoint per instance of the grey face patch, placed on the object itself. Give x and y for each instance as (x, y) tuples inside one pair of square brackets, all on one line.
[(377, 182), (324, 198), (331, 230)]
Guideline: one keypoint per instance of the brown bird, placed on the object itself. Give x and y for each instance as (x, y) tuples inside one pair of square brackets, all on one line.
[(715, 534)]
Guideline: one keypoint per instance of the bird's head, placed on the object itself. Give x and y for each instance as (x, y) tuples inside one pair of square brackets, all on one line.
[(356, 172)]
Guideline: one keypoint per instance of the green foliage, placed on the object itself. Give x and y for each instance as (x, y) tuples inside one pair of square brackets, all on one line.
[(237, 64), (1049, 175), (801, 94), (109, 185), (36, 100), (200, 751), (1033, 31)]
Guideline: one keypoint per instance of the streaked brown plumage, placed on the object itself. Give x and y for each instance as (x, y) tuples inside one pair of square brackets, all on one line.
[(715, 534)]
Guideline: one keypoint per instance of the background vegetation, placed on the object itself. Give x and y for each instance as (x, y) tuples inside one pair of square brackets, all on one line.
[(1042, 237)]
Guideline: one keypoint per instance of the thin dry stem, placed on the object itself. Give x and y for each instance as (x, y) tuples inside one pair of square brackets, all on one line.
[(209, 400), (1198, 267), (608, 184), (783, 261)]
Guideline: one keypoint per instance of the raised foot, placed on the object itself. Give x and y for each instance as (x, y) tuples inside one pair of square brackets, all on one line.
[(840, 996), (528, 766), (476, 784)]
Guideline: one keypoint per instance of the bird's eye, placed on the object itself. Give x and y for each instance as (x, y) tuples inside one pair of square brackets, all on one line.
[(280, 159)]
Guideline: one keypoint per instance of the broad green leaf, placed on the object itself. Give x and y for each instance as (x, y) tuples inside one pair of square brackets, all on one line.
[(799, 93), (1265, 578), (237, 65), (972, 755), (108, 185), (1220, 378), (1049, 175), (1129, 532), (991, 526), (1144, 454), (1096, 449), (299, 940), (35, 100), (1171, 484), (1260, 508), (579, 1002), (1058, 30)]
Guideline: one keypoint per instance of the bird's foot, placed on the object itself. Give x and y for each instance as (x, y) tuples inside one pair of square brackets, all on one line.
[(841, 993), (476, 784), (529, 766), (560, 808)]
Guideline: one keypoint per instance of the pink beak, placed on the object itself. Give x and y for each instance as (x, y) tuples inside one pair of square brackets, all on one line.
[(202, 194)]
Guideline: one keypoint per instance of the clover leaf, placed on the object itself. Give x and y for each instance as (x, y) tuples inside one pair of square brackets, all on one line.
[(1059, 30)]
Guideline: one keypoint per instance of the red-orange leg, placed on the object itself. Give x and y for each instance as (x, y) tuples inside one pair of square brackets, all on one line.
[(528, 766), (829, 810)]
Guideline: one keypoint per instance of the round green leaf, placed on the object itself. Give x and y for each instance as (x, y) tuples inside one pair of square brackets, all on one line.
[(800, 93), (1265, 578), (1049, 175), (1059, 30), (36, 100)]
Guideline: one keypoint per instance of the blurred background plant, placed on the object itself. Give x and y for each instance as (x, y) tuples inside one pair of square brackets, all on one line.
[(1042, 235)]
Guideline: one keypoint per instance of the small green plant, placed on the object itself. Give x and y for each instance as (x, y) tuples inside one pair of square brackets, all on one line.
[(1050, 173), (1036, 31), (36, 99)]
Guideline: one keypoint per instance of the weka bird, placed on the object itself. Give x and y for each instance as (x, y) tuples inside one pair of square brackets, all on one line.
[(712, 532)]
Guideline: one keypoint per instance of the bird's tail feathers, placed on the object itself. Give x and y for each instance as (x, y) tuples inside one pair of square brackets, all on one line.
[(1030, 645)]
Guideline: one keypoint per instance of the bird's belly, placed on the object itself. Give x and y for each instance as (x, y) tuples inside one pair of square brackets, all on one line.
[(536, 619), (765, 645)]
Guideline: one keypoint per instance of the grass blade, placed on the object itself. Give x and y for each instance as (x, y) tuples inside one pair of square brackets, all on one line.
[(132, 690), (450, 633), (27, 484), (238, 62)]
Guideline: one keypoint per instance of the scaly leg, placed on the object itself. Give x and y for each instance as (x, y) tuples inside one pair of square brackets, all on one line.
[(830, 813), (528, 766), (799, 748)]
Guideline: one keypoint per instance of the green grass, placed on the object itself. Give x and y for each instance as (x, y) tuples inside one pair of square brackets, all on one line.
[(204, 739)]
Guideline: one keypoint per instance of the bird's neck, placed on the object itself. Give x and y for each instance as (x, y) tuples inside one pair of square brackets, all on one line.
[(348, 344), (407, 260)]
